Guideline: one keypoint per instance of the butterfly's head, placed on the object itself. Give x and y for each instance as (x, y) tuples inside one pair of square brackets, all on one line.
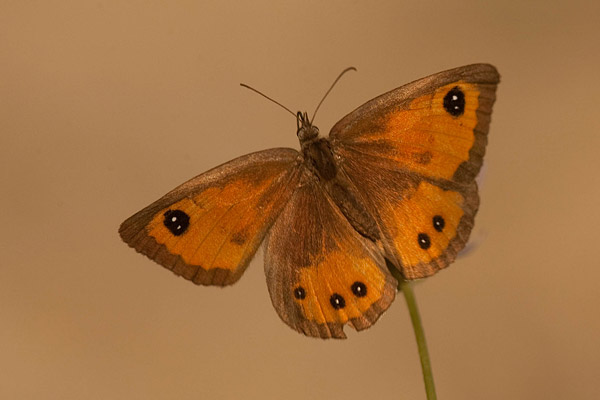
[(307, 132)]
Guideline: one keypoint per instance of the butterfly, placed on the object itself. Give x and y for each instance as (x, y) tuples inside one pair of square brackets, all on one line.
[(393, 186)]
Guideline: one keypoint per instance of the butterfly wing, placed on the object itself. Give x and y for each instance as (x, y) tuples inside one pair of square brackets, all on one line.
[(321, 273), (208, 229), (413, 153)]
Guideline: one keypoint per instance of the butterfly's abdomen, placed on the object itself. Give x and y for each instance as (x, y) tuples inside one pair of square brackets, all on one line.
[(349, 202)]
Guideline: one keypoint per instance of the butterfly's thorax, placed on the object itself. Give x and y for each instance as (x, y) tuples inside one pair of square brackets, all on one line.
[(320, 159)]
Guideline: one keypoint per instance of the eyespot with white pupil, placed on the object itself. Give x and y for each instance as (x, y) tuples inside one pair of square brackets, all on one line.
[(300, 293), (176, 221), (424, 241), (454, 102), (337, 301), (359, 289), (439, 223)]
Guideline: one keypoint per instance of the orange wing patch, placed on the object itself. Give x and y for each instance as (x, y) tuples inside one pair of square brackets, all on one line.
[(423, 223), (208, 229), (348, 284), (426, 137), (222, 222)]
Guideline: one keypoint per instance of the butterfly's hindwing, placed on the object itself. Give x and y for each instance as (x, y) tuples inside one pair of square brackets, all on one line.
[(320, 272)]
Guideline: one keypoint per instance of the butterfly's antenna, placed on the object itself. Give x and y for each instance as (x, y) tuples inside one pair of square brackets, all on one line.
[(268, 98), (334, 82)]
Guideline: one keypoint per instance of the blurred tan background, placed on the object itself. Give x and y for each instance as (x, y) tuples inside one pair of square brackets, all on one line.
[(107, 105)]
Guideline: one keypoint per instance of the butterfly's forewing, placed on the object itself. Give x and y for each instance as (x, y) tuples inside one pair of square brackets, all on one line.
[(208, 229), (320, 272), (414, 153)]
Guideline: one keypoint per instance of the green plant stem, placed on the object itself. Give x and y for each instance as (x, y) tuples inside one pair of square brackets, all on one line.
[(406, 288)]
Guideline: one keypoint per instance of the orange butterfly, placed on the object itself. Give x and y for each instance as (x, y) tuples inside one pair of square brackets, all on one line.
[(394, 184)]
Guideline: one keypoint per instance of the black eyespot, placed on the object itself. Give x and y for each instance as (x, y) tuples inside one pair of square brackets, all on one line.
[(424, 241), (454, 102), (176, 221), (359, 289), (438, 223), (337, 301), (299, 293)]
